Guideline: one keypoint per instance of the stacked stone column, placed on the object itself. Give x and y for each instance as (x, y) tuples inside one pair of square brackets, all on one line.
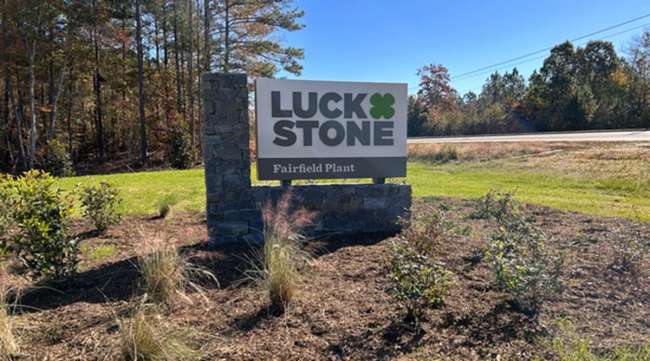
[(231, 211)]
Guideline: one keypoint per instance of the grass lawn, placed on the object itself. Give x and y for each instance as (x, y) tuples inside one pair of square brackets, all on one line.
[(143, 192)]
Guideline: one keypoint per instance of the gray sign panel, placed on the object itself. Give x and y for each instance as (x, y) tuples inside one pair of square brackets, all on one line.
[(324, 129), (319, 168)]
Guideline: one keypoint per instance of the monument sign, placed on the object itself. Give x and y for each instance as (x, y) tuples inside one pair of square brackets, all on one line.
[(326, 129)]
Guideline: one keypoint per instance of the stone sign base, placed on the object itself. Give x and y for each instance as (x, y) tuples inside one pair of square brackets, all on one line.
[(345, 208)]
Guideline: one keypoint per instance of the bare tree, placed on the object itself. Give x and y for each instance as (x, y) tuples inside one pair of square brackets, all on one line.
[(143, 128)]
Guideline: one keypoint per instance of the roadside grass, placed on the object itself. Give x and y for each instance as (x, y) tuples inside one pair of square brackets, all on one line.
[(609, 197), (568, 179), (143, 192), (584, 195)]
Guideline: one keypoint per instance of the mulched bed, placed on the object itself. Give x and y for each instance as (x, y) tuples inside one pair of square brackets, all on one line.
[(342, 310)]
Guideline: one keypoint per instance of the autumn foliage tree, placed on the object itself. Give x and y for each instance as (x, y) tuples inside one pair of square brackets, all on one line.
[(110, 81), (590, 87)]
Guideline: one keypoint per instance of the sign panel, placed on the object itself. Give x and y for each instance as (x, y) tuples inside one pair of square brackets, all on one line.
[(324, 129)]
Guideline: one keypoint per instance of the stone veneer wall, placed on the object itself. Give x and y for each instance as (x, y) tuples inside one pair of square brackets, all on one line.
[(234, 206), (345, 208)]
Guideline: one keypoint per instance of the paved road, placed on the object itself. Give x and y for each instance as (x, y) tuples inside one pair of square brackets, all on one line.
[(597, 136)]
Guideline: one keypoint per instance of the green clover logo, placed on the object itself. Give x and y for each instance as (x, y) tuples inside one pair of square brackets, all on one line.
[(382, 106)]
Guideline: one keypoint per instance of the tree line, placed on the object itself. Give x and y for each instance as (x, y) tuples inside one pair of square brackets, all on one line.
[(577, 88), (92, 82)]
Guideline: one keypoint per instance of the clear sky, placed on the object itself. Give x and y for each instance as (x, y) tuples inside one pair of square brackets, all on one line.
[(381, 40)]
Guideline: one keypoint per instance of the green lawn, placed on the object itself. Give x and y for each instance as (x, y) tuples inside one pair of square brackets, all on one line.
[(143, 192)]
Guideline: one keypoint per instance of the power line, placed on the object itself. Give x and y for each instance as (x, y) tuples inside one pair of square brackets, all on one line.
[(549, 48), (486, 71)]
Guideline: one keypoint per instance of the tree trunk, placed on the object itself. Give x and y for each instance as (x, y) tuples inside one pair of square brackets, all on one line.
[(156, 32), (143, 129), (206, 36), (7, 83), (226, 39), (70, 94), (190, 83), (99, 128), (20, 116), (199, 55), (177, 55), (164, 31), (56, 94), (33, 133)]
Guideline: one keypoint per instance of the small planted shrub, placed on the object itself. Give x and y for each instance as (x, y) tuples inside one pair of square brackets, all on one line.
[(418, 280), (165, 206), (101, 205), (145, 336), (277, 266), (6, 218), (179, 153), (41, 214), (164, 211), (495, 205), (522, 265), (630, 252)]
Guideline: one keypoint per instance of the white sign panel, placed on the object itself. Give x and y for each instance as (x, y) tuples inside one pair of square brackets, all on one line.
[(325, 129)]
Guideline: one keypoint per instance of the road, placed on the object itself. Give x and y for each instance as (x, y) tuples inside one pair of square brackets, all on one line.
[(585, 136)]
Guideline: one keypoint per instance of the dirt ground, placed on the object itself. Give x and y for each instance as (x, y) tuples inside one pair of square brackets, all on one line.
[(342, 310)]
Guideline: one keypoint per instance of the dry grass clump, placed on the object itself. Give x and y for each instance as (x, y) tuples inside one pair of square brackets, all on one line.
[(146, 337), (276, 266), (442, 153), (166, 274), (8, 340), (569, 345)]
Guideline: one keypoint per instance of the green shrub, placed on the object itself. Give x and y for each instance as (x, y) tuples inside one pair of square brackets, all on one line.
[(180, 153), (427, 229), (417, 279), (56, 159), (522, 265), (165, 205), (101, 205), (495, 205), (6, 223), (41, 213)]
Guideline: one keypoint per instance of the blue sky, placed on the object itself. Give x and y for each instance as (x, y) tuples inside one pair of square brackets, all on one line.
[(381, 40)]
